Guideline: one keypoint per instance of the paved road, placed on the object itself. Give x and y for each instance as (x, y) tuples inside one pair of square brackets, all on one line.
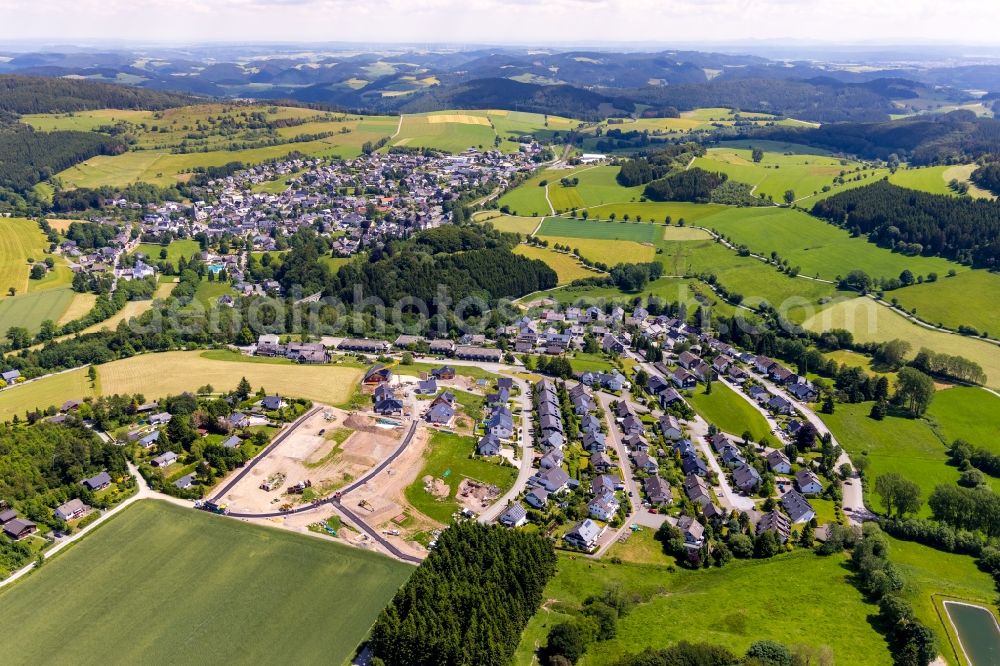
[(625, 464), (265, 453), (527, 457)]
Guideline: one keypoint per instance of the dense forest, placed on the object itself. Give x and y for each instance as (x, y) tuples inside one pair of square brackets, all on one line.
[(695, 185), (988, 177), (39, 94), (28, 157), (959, 136), (469, 600), (963, 229)]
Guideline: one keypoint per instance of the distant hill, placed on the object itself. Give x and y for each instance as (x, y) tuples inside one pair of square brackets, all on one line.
[(37, 94), (959, 136)]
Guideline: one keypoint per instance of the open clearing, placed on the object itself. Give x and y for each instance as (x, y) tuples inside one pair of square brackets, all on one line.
[(566, 266), (871, 322), (20, 240), (734, 607), (170, 373), (184, 587)]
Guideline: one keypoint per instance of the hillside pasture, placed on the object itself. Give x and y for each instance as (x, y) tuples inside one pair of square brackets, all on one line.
[(871, 322), (658, 212), (577, 228), (610, 252), (510, 223), (202, 569), (170, 373), (819, 249), (30, 310), (20, 240), (926, 179), (971, 298), (450, 132), (969, 413)]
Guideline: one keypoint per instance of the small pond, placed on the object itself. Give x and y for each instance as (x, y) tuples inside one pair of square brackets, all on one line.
[(978, 632)]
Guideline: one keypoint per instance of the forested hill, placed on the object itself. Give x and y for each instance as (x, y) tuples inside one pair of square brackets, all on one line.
[(959, 228), (38, 94), (959, 136)]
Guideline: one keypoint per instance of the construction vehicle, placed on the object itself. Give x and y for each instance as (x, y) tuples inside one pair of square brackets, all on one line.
[(365, 504), (299, 487), (213, 507)]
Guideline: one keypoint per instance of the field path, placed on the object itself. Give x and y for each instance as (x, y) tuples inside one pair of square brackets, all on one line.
[(399, 128)]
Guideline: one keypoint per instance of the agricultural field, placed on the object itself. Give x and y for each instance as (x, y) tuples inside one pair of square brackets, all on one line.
[(132, 309), (963, 173), (509, 223), (658, 212), (227, 591), (447, 458), (451, 132), (31, 309), (528, 199), (730, 412), (598, 186), (742, 607), (177, 249), (20, 240), (931, 576), (871, 322), (566, 266), (818, 248), (673, 290), (78, 307), (970, 298), (965, 412), (158, 375), (786, 167), (42, 393), (565, 227), (610, 252), (926, 179)]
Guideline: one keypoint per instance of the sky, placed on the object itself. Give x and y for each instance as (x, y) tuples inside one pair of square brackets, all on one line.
[(502, 21)]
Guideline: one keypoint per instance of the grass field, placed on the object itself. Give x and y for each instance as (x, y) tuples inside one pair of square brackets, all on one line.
[(610, 252), (730, 412), (570, 228), (787, 599), (967, 413), (170, 373), (176, 250), (30, 310), (871, 322), (566, 266), (447, 457), (180, 586), (43, 393), (896, 444), (803, 170), (132, 309), (971, 298), (673, 290), (208, 293), (20, 240), (930, 575), (658, 212), (926, 179), (455, 131), (819, 249), (528, 199)]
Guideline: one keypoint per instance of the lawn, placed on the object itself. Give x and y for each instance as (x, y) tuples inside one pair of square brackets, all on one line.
[(871, 322), (175, 250), (971, 298), (583, 362), (896, 444), (43, 393), (819, 249), (566, 266), (787, 599), (930, 575), (30, 310), (572, 228), (730, 412), (447, 457), (968, 413), (208, 293), (163, 584), (21, 240), (170, 373), (610, 252)]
